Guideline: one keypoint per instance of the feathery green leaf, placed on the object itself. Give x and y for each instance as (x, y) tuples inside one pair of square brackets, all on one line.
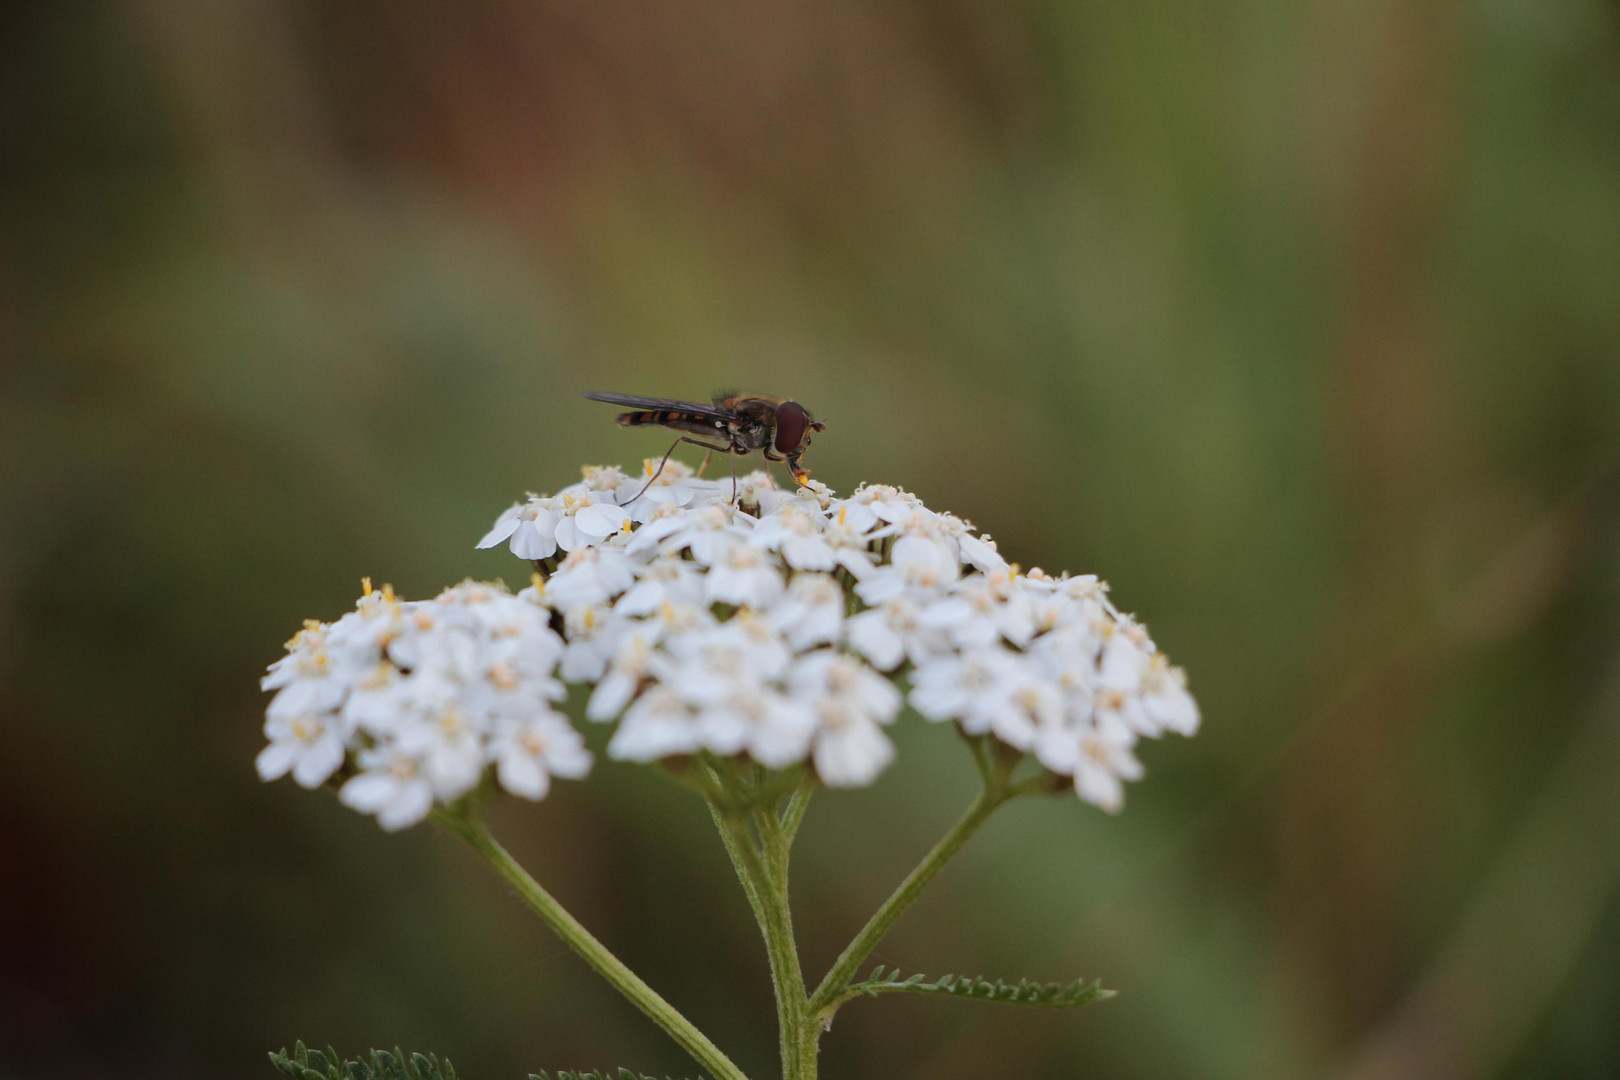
[(621, 1074), (306, 1064), (977, 988)]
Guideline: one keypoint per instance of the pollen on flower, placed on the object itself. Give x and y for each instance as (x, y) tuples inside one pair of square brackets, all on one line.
[(311, 626)]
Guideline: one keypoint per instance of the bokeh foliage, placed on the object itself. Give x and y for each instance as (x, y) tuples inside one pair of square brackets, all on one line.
[(1300, 323)]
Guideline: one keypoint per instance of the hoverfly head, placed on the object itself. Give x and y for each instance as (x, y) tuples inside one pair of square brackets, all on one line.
[(793, 427)]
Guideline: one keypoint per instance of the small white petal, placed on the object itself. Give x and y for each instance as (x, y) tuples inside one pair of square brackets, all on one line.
[(569, 759), (1100, 788), (532, 540), (601, 520), (408, 807), (981, 554), (522, 775), (319, 761), (871, 635), (368, 792), (610, 697), (852, 755), (505, 526), (275, 760)]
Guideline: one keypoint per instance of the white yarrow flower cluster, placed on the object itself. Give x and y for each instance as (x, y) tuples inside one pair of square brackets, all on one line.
[(414, 701), (779, 629)]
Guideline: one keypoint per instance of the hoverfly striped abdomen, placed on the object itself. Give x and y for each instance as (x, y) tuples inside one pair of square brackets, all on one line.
[(665, 417)]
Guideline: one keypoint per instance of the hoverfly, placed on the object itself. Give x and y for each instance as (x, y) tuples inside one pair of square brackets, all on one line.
[(737, 424)]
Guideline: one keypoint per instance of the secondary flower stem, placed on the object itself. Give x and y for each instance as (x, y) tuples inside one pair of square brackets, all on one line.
[(793, 814), (470, 827), (825, 999), (751, 888)]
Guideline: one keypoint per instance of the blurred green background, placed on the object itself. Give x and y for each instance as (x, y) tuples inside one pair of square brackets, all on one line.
[(1300, 323)]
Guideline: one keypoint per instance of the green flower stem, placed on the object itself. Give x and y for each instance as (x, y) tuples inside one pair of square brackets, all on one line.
[(470, 827), (996, 791), (793, 814), (773, 843), (750, 886), (764, 865), (777, 831)]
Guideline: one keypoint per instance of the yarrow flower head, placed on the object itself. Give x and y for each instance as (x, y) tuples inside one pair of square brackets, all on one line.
[(408, 703), (783, 629)]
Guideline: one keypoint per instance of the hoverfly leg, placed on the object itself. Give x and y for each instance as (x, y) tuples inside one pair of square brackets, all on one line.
[(656, 472), (710, 447), (733, 480), (705, 464)]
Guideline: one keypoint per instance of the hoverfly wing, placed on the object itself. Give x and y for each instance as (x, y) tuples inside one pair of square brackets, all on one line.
[(694, 417), (633, 401)]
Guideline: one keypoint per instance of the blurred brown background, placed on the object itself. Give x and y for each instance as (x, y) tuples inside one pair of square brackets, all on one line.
[(1300, 323)]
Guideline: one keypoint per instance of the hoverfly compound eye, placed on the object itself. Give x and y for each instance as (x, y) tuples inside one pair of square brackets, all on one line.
[(792, 425)]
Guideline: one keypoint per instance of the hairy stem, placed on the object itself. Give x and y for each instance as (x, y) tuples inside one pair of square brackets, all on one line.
[(468, 825), (751, 888), (798, 802), (762, 867)]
